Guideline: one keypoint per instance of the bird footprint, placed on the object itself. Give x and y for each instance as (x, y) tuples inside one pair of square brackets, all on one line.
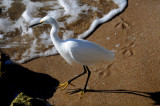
[(127, 50), (123, 24), (128, 53), (105, 72)]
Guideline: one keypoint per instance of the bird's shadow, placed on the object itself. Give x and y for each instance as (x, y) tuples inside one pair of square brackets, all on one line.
[(20, 79), (155, 96)]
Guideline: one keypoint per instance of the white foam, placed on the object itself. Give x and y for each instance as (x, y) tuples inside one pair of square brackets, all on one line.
[(1, 36), (9, 45), (33, 55), (59, 8), (71, 7), (55, 14), (121, 3), (6, 25), (7, 4), (68, 35), (45, 39), (31, 8)]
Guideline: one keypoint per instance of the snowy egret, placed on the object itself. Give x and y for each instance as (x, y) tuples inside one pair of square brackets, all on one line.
[(79, 51)]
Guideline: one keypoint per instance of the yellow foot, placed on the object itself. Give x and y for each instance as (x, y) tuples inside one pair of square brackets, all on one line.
[(65, 85), (77, 91), (82, 92)]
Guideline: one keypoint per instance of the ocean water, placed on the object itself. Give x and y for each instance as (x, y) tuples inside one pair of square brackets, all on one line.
[(76, 18)]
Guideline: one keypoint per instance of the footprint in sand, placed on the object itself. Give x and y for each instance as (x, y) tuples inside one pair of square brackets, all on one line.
[(127, 50), (128, 44), (124, 25), (105, 72), (128, 53)]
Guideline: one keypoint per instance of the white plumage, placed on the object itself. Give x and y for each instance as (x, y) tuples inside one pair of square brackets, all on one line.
[(86, 53), (77, 50)]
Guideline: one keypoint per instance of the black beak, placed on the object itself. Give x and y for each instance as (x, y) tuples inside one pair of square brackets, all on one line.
[(34, 25)]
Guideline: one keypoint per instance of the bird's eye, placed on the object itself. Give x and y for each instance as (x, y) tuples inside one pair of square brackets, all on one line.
[(41, 21)]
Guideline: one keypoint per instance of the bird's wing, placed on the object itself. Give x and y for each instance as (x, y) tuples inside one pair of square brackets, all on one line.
[(88, 53)]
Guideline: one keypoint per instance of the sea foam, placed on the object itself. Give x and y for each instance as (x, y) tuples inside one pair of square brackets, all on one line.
[(76, 18)]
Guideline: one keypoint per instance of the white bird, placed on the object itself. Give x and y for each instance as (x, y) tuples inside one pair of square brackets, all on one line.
[(80, 51)]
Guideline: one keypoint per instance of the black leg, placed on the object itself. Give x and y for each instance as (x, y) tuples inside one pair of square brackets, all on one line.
[(84, 89), (89, 73), (69, 82), (78, 75)]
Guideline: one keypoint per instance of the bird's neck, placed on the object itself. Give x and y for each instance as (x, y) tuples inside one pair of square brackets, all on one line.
[(54, 36)]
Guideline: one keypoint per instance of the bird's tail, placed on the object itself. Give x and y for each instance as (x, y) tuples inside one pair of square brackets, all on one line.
[(109, 56)]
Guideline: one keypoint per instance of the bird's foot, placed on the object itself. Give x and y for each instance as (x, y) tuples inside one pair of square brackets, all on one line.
[(81, 91), (65, 85)]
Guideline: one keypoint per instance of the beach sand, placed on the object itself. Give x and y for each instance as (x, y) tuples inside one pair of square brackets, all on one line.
[(133, 78)]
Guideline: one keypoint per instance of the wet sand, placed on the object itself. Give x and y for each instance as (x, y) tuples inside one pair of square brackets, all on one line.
[(133, 78)]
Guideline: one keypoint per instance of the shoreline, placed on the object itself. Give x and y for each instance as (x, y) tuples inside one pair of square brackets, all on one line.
[(135, 68)]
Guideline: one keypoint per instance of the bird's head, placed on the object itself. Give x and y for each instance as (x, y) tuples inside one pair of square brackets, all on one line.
[(47, 20)]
